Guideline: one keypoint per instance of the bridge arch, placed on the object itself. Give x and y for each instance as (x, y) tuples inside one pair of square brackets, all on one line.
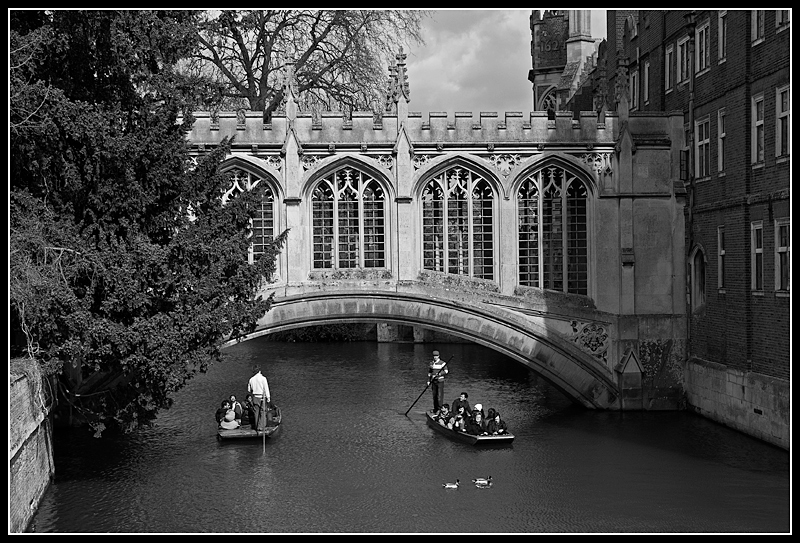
[(578, 375)]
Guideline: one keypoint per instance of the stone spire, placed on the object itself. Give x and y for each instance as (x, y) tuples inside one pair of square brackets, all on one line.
[(398, 85)]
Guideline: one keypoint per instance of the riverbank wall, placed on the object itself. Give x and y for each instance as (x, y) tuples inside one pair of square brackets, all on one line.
[(30, 441), (755, 404)]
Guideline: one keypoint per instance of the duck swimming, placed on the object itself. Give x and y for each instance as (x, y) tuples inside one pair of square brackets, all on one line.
[(451, 485), (483, 482)]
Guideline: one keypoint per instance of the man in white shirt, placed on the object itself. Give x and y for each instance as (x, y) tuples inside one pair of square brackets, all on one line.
[(259, 388)]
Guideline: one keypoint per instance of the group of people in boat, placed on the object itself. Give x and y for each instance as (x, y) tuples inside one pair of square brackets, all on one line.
[(257, 410), (473, 421), (461, 417)]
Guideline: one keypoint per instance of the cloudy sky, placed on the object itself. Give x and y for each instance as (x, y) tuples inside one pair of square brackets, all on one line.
[(476, 60)]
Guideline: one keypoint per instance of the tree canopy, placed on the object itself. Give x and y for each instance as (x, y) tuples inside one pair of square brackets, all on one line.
[(125, 271), (339, 58)]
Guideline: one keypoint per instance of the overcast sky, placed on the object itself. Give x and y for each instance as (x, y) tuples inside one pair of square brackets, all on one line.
[(476, 60)]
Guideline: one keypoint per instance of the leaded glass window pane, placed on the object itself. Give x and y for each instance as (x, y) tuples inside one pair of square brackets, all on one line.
[(458, 224)]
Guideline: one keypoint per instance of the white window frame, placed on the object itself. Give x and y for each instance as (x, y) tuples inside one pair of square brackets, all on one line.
[(721, 133), (669, 64), (782, 19), (779, 116), (722, 35), (757, 26), (646, 83), (683, 61), (757, 130), (702, 53), (721, 257), (635, 89), (779, 249), (702, 147), (756, 251)]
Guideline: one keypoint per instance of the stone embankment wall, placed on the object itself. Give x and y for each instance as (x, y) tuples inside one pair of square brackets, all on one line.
[(755, 404), (30, 442)]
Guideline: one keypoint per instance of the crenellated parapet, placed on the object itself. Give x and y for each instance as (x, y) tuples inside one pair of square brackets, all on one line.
[(365, 126)]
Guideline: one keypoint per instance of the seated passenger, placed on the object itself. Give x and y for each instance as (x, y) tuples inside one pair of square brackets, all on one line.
[(496, 426), (461, 419), (229, 422), (226, 404), (476, 426), (445, 417), (249, 411), (237, 408), (490, 415), (461, 401)]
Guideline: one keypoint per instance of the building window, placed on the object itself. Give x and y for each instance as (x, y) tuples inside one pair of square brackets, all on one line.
[(758, 129), (702, 148), (781, 19), (683, 60), (721, 257), (782, 255), (721, 140), (458, 224), (757, 30), (756, 256), (722, 35), (703, 56), (263, 224), (782, 114), (698, 277), (552, 228), (646, 83), (348, 221), (634, 89), (669, 68)]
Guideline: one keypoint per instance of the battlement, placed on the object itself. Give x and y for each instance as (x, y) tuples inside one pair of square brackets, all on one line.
[(364, 127)]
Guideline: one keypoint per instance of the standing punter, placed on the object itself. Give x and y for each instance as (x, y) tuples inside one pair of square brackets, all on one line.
[(259, 388), (436, 372)]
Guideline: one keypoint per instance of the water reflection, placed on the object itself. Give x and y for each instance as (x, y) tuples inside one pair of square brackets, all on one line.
[(347, 460)]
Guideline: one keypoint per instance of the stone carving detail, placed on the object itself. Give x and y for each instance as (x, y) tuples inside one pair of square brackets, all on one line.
[(309, 161), (274, 161), (505, 163), (385, 161), (599, 162), (420, 161), (592, 338)]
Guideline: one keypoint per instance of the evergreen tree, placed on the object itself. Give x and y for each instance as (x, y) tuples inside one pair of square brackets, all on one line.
[(126, 273)]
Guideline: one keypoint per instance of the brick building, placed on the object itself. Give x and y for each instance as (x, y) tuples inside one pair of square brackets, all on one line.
[(728, 72)]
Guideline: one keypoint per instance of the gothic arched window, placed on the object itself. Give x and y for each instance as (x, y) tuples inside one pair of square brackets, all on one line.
[(263, 224), (552, 230), (458, 224), (697, 273), (348, 225)]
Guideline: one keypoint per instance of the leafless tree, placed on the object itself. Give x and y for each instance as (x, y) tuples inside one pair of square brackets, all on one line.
[(338, 57)]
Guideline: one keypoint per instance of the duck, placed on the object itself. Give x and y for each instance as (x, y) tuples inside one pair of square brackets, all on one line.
[(480, 481), (451, 485)]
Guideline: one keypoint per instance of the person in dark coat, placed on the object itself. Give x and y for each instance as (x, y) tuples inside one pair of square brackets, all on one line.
[(496, 426), (476, 426), (220, 415), (461, 401)]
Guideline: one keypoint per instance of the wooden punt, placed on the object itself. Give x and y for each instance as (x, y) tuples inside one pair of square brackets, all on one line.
[(246, 431), (463, 437)]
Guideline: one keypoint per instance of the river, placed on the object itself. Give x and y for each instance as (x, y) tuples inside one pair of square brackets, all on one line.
[(348, 459)]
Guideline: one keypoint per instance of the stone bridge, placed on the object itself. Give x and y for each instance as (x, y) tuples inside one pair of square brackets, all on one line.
[(567, 348), (558, 241)]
